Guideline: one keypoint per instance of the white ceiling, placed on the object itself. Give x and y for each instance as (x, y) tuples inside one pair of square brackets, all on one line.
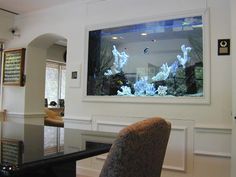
[(26, 6)]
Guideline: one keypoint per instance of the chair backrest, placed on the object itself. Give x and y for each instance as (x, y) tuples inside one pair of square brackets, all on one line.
[(139, 150)]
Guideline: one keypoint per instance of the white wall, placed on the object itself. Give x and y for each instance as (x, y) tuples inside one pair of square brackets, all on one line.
[(233, 53), (216, 113), (6, 23), (35, 80), (213, 120)]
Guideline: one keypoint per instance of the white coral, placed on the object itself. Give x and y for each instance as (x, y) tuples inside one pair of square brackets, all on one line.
[(163, 74), (120, 59), (183, 60), (125, 91), (162, 90), (108, 73)]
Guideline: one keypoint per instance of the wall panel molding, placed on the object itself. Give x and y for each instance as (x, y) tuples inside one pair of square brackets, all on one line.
[(212, 141), (186, 140), (34, 118), (84, 123), (176, 153), (110, 126)]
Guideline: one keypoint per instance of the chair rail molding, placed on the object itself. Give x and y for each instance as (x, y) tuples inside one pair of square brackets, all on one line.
[(84, 123)]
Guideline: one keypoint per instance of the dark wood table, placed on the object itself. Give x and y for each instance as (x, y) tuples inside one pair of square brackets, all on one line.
[(23, 151)]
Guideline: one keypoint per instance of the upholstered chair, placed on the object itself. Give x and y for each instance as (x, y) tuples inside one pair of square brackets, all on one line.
[(139, 150), (3, 115), (53, 118)]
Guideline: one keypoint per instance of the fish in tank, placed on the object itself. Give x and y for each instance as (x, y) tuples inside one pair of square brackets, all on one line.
[(156, 58)]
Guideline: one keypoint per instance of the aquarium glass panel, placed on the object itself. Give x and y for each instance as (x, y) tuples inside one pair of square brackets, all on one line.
[(154, 59)]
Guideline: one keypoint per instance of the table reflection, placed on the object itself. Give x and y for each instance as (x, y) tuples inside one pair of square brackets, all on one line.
[(25, 144)]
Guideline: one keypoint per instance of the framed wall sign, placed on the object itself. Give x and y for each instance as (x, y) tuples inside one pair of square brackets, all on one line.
[(13, 67), (223, 46)]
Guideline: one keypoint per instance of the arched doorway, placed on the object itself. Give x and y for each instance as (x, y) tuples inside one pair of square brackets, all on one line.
[(37, 54)]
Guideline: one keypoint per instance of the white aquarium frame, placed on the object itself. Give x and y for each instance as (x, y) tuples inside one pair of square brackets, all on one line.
[(205, 99)]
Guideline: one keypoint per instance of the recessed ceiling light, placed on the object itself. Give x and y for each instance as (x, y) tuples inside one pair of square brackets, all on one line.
[(144, 34), (114, 37)]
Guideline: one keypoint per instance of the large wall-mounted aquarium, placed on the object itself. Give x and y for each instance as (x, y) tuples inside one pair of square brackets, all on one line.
[(153, 60)]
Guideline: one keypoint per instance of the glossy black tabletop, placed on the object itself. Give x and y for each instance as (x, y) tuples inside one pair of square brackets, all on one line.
[(26, 146)]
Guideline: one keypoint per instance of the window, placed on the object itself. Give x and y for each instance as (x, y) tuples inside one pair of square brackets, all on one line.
[(158, 60), (55, 81)]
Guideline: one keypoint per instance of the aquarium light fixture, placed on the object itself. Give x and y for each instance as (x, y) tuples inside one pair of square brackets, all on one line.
[(114, 38), (185, 23), (197, 26), (143, 34)]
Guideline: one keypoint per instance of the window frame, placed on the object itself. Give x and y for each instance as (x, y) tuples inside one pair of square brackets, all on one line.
[(59, 66), (135, 99)]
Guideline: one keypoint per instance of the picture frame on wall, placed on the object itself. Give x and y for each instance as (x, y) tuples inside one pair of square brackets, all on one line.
[(13, 67)]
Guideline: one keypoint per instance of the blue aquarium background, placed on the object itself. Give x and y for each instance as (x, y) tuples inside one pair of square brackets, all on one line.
[(159, 58)]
